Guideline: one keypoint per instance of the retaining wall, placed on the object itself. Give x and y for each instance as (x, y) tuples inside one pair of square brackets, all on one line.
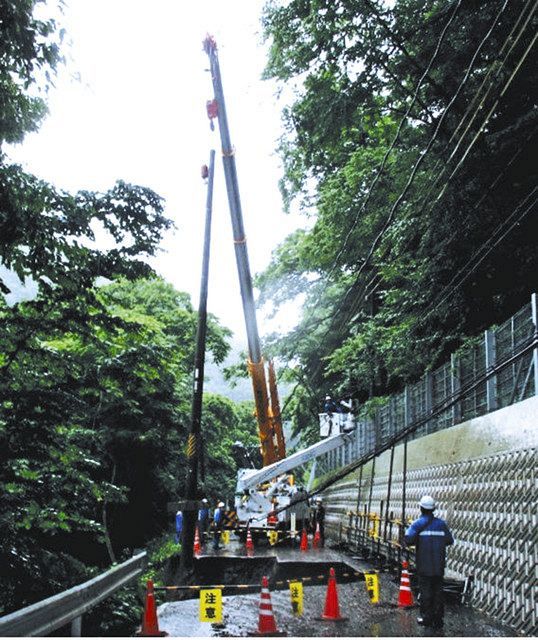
[(483, 475)]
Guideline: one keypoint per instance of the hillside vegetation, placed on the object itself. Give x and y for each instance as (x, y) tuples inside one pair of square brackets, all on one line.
[(410, 142), (95, 381)]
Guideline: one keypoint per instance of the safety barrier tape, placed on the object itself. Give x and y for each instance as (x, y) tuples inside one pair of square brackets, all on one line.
[(280, 583)]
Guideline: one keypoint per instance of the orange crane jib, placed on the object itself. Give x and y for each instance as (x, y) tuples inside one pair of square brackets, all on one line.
[(268, 414)]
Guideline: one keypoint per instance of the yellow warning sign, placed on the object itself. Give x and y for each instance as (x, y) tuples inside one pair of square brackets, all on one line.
[(372, 586), (210, 605), (273, 537), (296, 592), (225, 537)]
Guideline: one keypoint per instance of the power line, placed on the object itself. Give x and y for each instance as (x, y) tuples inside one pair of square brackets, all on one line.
[(413, 174), (471, 108), (470, 66), (448, 290), (395, 139), (430, 143), (421, 158), (486, 119)]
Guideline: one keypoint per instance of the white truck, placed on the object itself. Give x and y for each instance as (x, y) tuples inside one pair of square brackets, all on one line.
[(259, 492)]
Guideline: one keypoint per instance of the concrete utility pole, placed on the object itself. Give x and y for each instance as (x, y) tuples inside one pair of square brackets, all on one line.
[(190, 506)]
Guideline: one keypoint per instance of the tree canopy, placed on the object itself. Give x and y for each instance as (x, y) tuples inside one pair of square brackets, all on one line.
[(410, 141), (96, 369)]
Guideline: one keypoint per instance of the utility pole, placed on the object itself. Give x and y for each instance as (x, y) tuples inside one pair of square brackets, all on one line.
[(194, 444)]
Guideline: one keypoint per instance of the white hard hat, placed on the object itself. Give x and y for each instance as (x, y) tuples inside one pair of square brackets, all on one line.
[(327, 397), (220, 504), (427, 502), (204, 499), (319, 499)]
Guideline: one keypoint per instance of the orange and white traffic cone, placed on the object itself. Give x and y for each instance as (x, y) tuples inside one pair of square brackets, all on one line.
[(266, 621), (197, 545), (249, 544), (405, 596), (304, 541), (150, 624), (332, 609), (316, 542)]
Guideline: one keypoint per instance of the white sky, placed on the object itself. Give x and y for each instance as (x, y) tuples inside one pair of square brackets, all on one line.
[(138, 114)]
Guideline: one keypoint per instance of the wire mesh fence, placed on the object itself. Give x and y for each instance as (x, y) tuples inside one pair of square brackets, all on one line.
[(492, 372)]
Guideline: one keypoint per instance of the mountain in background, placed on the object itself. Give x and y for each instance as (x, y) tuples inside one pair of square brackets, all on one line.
[(214, 381)]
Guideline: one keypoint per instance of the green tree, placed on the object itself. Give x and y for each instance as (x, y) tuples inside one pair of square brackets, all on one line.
[(389, 147), (93, 430), (50, 453)]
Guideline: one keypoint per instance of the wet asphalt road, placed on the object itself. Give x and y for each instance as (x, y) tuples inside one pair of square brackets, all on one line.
[(240, 612)]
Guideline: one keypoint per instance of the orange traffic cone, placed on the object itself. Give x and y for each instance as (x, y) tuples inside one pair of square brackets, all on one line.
[(316, 542), (405, 596), (197, 545), (332, 609), (266, 622), (150, 624), (249, 543), (304, 541)]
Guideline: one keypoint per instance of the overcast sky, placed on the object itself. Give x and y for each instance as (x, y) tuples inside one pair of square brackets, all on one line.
[(137, 113)]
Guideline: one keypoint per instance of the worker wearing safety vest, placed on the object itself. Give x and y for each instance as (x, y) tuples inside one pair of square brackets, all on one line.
[(430, 536)]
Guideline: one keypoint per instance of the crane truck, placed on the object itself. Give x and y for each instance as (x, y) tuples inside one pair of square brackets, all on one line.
[(257, 491)]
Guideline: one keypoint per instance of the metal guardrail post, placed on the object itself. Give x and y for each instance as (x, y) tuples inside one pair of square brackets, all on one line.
[(407, 406), (491, 384), (428, 389), (76, 627), (455, 386), (534, 311)]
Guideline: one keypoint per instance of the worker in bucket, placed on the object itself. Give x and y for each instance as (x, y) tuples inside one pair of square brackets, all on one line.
[(430, 536), (331, 406), (318, 518), (203, 519), (218, 517)]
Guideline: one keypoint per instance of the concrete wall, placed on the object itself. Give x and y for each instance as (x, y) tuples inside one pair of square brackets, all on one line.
[(484, 475)]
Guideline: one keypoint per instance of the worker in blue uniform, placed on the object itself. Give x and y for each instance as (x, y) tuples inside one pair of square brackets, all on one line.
[(179, 526), (430, 536), (218, 520), (203, 519), (332, 406)]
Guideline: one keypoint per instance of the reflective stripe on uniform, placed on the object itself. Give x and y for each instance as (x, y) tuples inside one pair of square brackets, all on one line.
[(432, 533)]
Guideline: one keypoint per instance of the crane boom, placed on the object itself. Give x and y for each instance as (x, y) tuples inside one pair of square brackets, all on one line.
[(267, 415), (250, 477)]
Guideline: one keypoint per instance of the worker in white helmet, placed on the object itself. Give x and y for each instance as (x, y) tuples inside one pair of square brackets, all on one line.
[(430, 536)]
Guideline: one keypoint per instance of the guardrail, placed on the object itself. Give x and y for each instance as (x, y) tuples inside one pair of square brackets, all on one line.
[(46, 616)]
